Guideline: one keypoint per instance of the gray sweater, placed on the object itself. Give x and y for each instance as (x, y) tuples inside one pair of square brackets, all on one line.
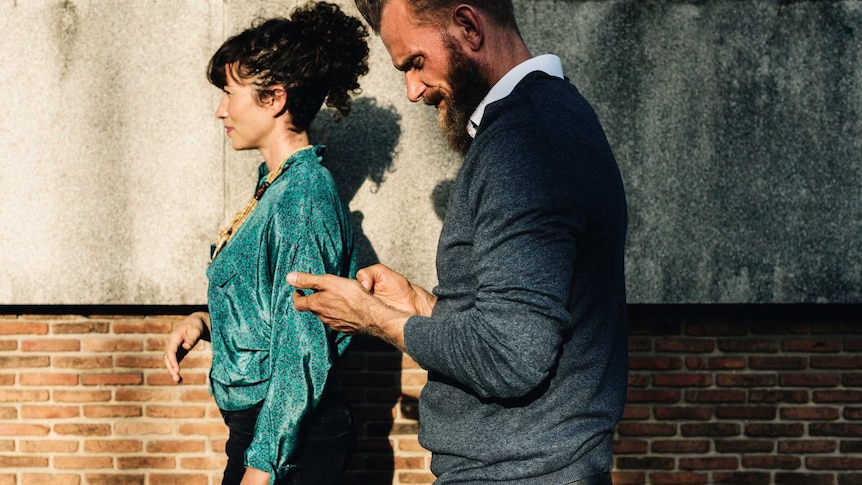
[(527, 345)]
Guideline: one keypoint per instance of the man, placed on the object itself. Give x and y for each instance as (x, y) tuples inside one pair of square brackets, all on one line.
[(525, 336)]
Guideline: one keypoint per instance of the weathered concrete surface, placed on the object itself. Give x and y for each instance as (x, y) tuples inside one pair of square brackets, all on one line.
[(736, 125)]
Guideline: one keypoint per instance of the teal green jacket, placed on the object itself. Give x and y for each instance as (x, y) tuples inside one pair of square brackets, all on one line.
[(263, 349)]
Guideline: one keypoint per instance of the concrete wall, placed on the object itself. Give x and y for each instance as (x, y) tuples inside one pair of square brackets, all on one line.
[(736, 125)]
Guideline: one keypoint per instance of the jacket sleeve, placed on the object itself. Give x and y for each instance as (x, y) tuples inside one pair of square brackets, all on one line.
[(524, 221), (307, 233)]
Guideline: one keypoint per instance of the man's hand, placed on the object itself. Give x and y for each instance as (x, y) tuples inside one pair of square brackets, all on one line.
[(185, 335), (347, 306), (394, 290)]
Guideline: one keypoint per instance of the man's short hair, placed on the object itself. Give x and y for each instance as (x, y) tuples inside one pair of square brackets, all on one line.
[(501, 11)]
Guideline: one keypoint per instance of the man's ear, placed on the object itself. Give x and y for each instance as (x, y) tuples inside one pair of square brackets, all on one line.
[(470, 24)]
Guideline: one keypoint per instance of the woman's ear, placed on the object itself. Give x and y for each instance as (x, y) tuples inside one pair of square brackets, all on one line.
[(278, 100), (470, 24)]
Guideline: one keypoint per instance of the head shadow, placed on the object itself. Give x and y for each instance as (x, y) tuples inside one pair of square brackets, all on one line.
[(360, 147)]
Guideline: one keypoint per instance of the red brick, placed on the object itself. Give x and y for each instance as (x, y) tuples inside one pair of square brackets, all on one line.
[(778, 363), (853, 413), (809, 413), (851, 379), (833, 463), (201, 429), (804, 479), (11, 462), (150, 325), (775, 396), (640, 344), (653, 396), (626, 478), (130, 394), (75, 429), (680, 446), (683, 413), (639, 380), (772, 462), (176, 446), (806, 447), (710, 429), (748, 346), (746, 412), (644, 463), (108, 344), (850, 479), (48, 379), (715, 363), (780, 328), (138, 427), (8, 412), (115, 479), (811, 345), (741, 478), (808, 380), (709, 463), (715, 396), (836, 362), (175, 478), (852, 345), (9, 429), (685, 345), (112, 446), (744, 446), (49, 445), (646, 429), (88, 362), (774, 430), (23, 396), (633, 413), (23, 328), (682, 380), (112, 379), (209, 463), (143, 462), (178, 412), (51, 345), (854, 447), (678, 478), (82, 396), (22, 362), (851, 397), (87, 462), (844, 430), (746, 380), (630, 447), (654, 363), (80, 327), (48, 479), (49, 412), (112, 411), (415, 478)]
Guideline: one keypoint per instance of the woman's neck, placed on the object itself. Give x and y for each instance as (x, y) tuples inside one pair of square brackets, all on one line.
[(282, 147)]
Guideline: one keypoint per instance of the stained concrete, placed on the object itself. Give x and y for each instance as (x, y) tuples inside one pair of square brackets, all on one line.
[(736, 124)]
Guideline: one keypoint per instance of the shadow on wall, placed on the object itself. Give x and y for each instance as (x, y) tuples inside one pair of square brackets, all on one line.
[(358, 148)]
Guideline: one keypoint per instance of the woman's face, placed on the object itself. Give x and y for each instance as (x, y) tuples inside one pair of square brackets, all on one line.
[(248, 123)]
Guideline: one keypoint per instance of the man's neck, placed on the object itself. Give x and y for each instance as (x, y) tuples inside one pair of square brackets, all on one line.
[(508, 51)]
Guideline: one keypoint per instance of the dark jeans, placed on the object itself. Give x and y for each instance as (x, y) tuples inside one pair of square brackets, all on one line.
[(321, 458)]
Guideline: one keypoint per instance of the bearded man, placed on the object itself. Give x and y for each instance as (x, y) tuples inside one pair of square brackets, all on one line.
[(525, 335)]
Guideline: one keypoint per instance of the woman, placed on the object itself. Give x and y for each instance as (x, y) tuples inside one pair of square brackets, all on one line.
[(272, 373)]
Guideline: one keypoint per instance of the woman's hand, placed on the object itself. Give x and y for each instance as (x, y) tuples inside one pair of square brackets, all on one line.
[(185, 335)]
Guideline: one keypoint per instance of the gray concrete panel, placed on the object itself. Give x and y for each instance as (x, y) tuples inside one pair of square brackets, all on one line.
[(736, 125)]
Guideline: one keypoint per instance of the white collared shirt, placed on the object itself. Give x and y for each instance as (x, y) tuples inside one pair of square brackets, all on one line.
[(547, 63)]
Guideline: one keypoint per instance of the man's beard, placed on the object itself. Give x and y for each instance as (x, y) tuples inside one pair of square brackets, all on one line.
[(467, 88)]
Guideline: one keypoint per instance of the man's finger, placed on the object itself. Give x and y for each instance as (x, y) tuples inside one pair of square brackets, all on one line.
[(303, 280)]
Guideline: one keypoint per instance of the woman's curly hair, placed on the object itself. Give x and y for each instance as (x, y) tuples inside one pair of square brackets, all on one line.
[(317, 55)]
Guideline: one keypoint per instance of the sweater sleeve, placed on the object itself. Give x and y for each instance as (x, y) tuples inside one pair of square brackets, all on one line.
[(523, 217), (305, 234)]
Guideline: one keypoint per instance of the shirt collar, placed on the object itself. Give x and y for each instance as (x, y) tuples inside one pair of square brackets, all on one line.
[(547, 63)]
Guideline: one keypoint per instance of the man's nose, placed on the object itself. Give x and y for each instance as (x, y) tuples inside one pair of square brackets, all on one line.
[(415, 87)]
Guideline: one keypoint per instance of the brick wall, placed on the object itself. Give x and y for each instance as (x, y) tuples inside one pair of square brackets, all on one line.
[(738, 394)]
